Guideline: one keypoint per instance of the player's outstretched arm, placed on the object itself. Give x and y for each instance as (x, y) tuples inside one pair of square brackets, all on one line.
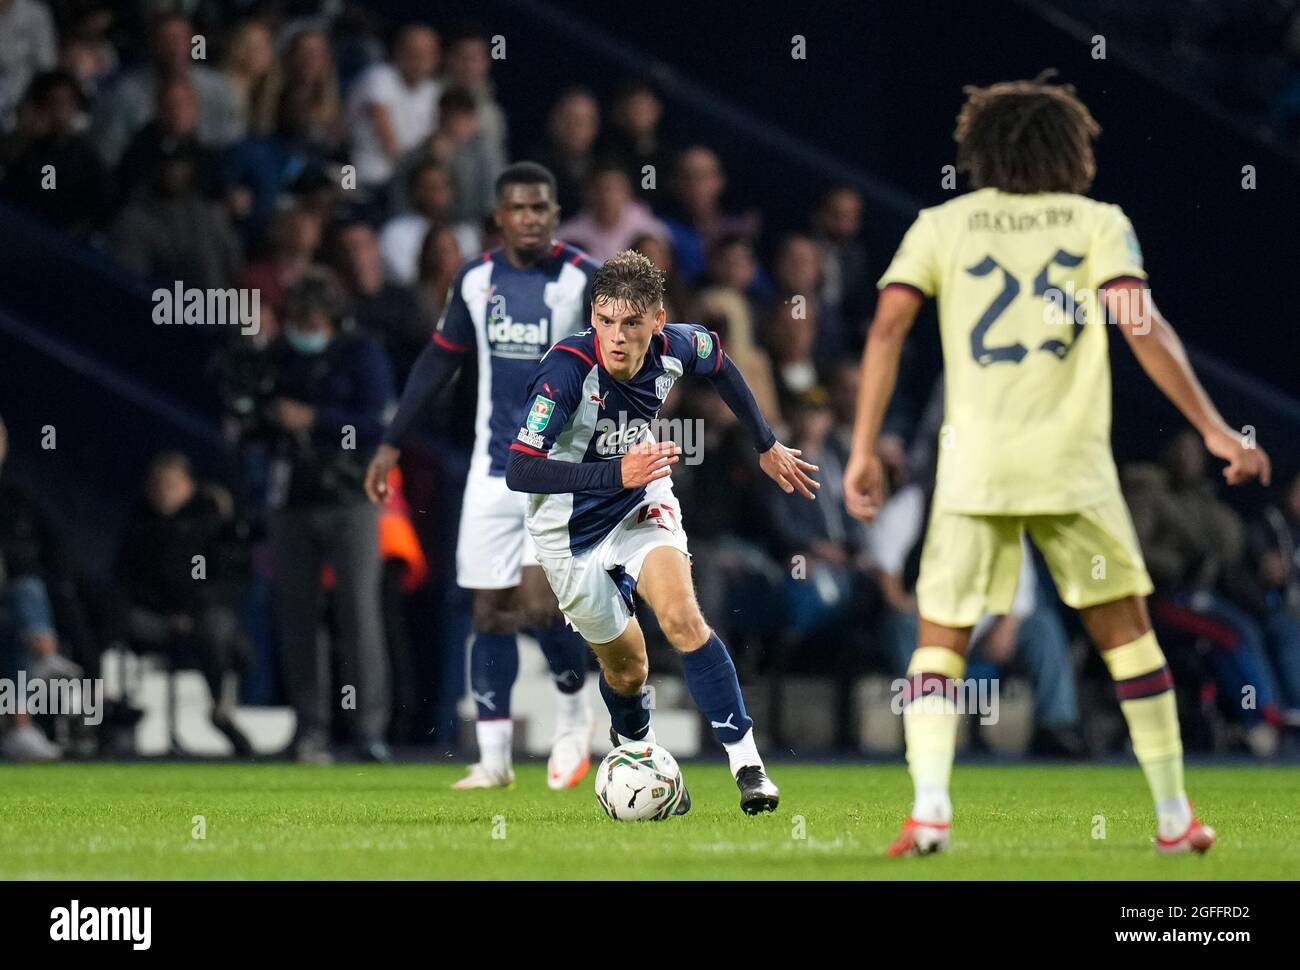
[(781, 464), (1162, 355), (434, 369), (531, 471), (864, 481)]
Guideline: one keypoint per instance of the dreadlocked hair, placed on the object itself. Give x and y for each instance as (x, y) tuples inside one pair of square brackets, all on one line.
[(1026, 136)]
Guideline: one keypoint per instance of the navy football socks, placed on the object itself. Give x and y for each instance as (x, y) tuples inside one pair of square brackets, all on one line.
[(711, 679), (566, 655), (630, 715), (493, 664)]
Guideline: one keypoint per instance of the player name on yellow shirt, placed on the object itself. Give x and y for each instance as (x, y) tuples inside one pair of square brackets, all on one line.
[(1003, 220)]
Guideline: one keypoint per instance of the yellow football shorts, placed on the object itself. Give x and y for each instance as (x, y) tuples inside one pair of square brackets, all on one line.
[(970, 563)]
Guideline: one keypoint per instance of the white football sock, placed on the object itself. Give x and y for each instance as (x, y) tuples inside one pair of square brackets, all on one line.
[(930, 722), (649, 738), (743, 753), (932, 804), (494, 741), (571, 709), (1173, 816)]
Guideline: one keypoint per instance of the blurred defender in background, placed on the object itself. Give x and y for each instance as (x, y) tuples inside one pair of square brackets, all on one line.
[(506, 308)]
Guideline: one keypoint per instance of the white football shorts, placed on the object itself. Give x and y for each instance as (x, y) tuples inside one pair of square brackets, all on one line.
[(494, 546), (594, 588)]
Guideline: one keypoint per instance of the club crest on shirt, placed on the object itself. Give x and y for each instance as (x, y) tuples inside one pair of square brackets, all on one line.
[(539, 415), (703, 343), (663, 384)]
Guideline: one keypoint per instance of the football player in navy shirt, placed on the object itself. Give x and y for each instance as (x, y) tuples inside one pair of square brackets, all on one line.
[(601, 510)]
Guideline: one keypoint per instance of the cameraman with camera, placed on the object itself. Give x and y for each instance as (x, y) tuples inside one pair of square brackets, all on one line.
[(324, 410)]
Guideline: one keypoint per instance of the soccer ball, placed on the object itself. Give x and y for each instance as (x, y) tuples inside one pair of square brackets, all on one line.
[(639, 782)]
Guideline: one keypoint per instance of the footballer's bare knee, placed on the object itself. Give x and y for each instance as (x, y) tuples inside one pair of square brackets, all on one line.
[(541, 613), (492, 611), (683, 624), (537, 601), (954, 638), (626, 675), (1116, 623)]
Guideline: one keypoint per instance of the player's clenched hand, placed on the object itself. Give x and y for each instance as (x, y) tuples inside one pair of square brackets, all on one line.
[(784, 466), (1243, 463), (647, 461), (864, 486), (377, 473)]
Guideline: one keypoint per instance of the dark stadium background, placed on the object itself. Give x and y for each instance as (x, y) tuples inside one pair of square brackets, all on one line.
[(873, 104)]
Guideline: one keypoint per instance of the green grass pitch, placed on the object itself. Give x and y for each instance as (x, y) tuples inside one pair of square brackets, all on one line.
[(136, 821)]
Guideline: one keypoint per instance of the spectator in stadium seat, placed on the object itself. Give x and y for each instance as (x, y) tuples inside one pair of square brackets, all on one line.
[(848, 281), (1192, 543), (698, 221), (394, 105), (174, 128), (791, 337), (797, 275), (678, 301), (440, 259), (28, 641), (88, 54), (310, 73), (327, 406), (318, 191), (170, 231), (293, 241), (612, 217), (129, 104), (733, 266), (842, 387), (262, 170), (458, 146), (48, 134), (831, 594), (432, 199), (355, 37), (253, 70), (633, 136), (726, 307), (189, 616), (469, 67), (571, 131), (387, 311), (28, 45), (1275, 548)]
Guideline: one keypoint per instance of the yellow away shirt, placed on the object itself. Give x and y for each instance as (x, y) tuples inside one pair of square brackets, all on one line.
[(1026, 361)]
